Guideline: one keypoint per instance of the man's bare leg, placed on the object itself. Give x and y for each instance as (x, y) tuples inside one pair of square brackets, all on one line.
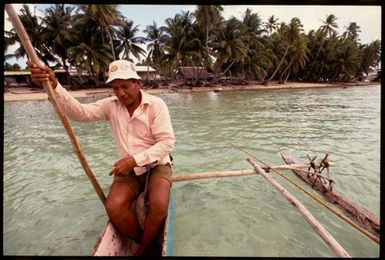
[(158, 197), (118, 206)]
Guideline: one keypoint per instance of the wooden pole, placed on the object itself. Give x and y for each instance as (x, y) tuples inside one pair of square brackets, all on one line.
[(221, 174), (324, 234), (206, 175), (23, 36)]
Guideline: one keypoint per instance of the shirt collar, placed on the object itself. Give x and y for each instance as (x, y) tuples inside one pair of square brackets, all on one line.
[(145, 99)]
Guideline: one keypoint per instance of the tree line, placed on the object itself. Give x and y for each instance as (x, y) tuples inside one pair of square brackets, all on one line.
[(89, 37)]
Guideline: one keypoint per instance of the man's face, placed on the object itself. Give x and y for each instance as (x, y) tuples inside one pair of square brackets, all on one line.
[(127, 90)]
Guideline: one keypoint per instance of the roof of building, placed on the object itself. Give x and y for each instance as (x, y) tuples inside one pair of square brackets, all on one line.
[(144, 69), (192, 72), (16, 73), (72, 71)]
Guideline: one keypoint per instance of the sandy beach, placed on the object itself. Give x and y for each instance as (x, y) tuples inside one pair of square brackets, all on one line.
[(27, 94)]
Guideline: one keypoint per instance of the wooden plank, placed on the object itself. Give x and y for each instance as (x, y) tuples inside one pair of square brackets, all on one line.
[(358, 214)]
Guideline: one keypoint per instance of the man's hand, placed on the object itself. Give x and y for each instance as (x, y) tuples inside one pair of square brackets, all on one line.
[(40, 74), (123, 166)]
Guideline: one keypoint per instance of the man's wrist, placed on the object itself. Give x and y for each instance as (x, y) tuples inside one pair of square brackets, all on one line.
[(131, 161)]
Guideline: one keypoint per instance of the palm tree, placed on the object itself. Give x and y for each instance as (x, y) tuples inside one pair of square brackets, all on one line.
[(229, 45), (88, 52), (345, 60), (327, 29), (8, 41), (290, 33), (352, 32), (105, 15), (271, 24), (253, 23), (33, 27), (153, 40), (127, 42), (177, 45), (256, 60), (371, 56), (208, 17), (298, 57), (56, 33)]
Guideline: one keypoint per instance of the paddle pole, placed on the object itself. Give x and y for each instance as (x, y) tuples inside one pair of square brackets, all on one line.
[(23, 36)]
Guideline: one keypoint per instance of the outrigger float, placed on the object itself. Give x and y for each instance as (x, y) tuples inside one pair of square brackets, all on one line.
[(324, 186)]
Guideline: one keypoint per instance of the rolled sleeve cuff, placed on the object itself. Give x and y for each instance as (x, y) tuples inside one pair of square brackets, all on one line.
[(59, 89), (140, 159)]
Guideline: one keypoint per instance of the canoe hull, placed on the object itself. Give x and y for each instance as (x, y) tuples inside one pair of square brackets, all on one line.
[(112, 243)]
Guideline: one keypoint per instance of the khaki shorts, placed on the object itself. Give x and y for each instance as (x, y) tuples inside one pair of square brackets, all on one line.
[(137, 183)]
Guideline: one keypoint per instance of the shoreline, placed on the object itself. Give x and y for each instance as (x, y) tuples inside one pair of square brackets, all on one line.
[(29, 94)]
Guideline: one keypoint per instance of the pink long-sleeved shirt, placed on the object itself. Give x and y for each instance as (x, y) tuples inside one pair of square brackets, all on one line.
[(147, 135)]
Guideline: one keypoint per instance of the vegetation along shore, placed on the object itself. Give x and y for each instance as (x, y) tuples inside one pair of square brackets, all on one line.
[(199, 48), (28, 94)]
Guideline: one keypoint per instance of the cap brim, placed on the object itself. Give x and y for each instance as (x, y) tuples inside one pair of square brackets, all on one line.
[(122, 77)]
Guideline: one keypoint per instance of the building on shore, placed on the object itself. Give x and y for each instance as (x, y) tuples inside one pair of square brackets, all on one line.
[(146, 72), (22, 78), (16, 79), (191, 73)]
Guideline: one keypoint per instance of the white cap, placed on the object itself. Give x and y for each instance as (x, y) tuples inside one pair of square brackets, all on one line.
[(121, 69)]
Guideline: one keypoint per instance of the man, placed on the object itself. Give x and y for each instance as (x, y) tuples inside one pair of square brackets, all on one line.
[(144, 137)]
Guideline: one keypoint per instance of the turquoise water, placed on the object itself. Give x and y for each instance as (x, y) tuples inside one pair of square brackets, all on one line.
[(50, 207)]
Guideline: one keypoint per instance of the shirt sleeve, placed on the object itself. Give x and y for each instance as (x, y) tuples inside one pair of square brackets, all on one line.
[(164, 136), (78, 111)]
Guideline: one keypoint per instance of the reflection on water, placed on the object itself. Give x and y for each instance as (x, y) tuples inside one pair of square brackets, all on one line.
[(50, 207)]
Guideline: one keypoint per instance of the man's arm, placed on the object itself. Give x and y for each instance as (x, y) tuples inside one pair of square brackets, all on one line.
[(72, 107)]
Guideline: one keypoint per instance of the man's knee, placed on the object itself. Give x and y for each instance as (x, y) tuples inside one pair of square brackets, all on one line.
[(159, 193), (114, 206), (119, 199), (159, 206)]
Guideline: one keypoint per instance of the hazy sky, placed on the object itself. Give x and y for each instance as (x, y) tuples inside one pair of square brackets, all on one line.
[(311, 16)]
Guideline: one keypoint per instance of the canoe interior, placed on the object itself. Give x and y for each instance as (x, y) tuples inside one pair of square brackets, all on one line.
[(112, 243)]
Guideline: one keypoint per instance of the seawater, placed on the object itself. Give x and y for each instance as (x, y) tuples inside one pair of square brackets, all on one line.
[(50, 207)]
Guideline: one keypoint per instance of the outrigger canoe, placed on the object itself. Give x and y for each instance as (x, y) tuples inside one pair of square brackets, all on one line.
[(112, 243)]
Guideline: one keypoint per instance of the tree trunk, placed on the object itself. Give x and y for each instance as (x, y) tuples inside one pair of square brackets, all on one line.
[(287, 76), (288, 66), (280, 63), (231, 64), (111, 42), (319, 49)]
